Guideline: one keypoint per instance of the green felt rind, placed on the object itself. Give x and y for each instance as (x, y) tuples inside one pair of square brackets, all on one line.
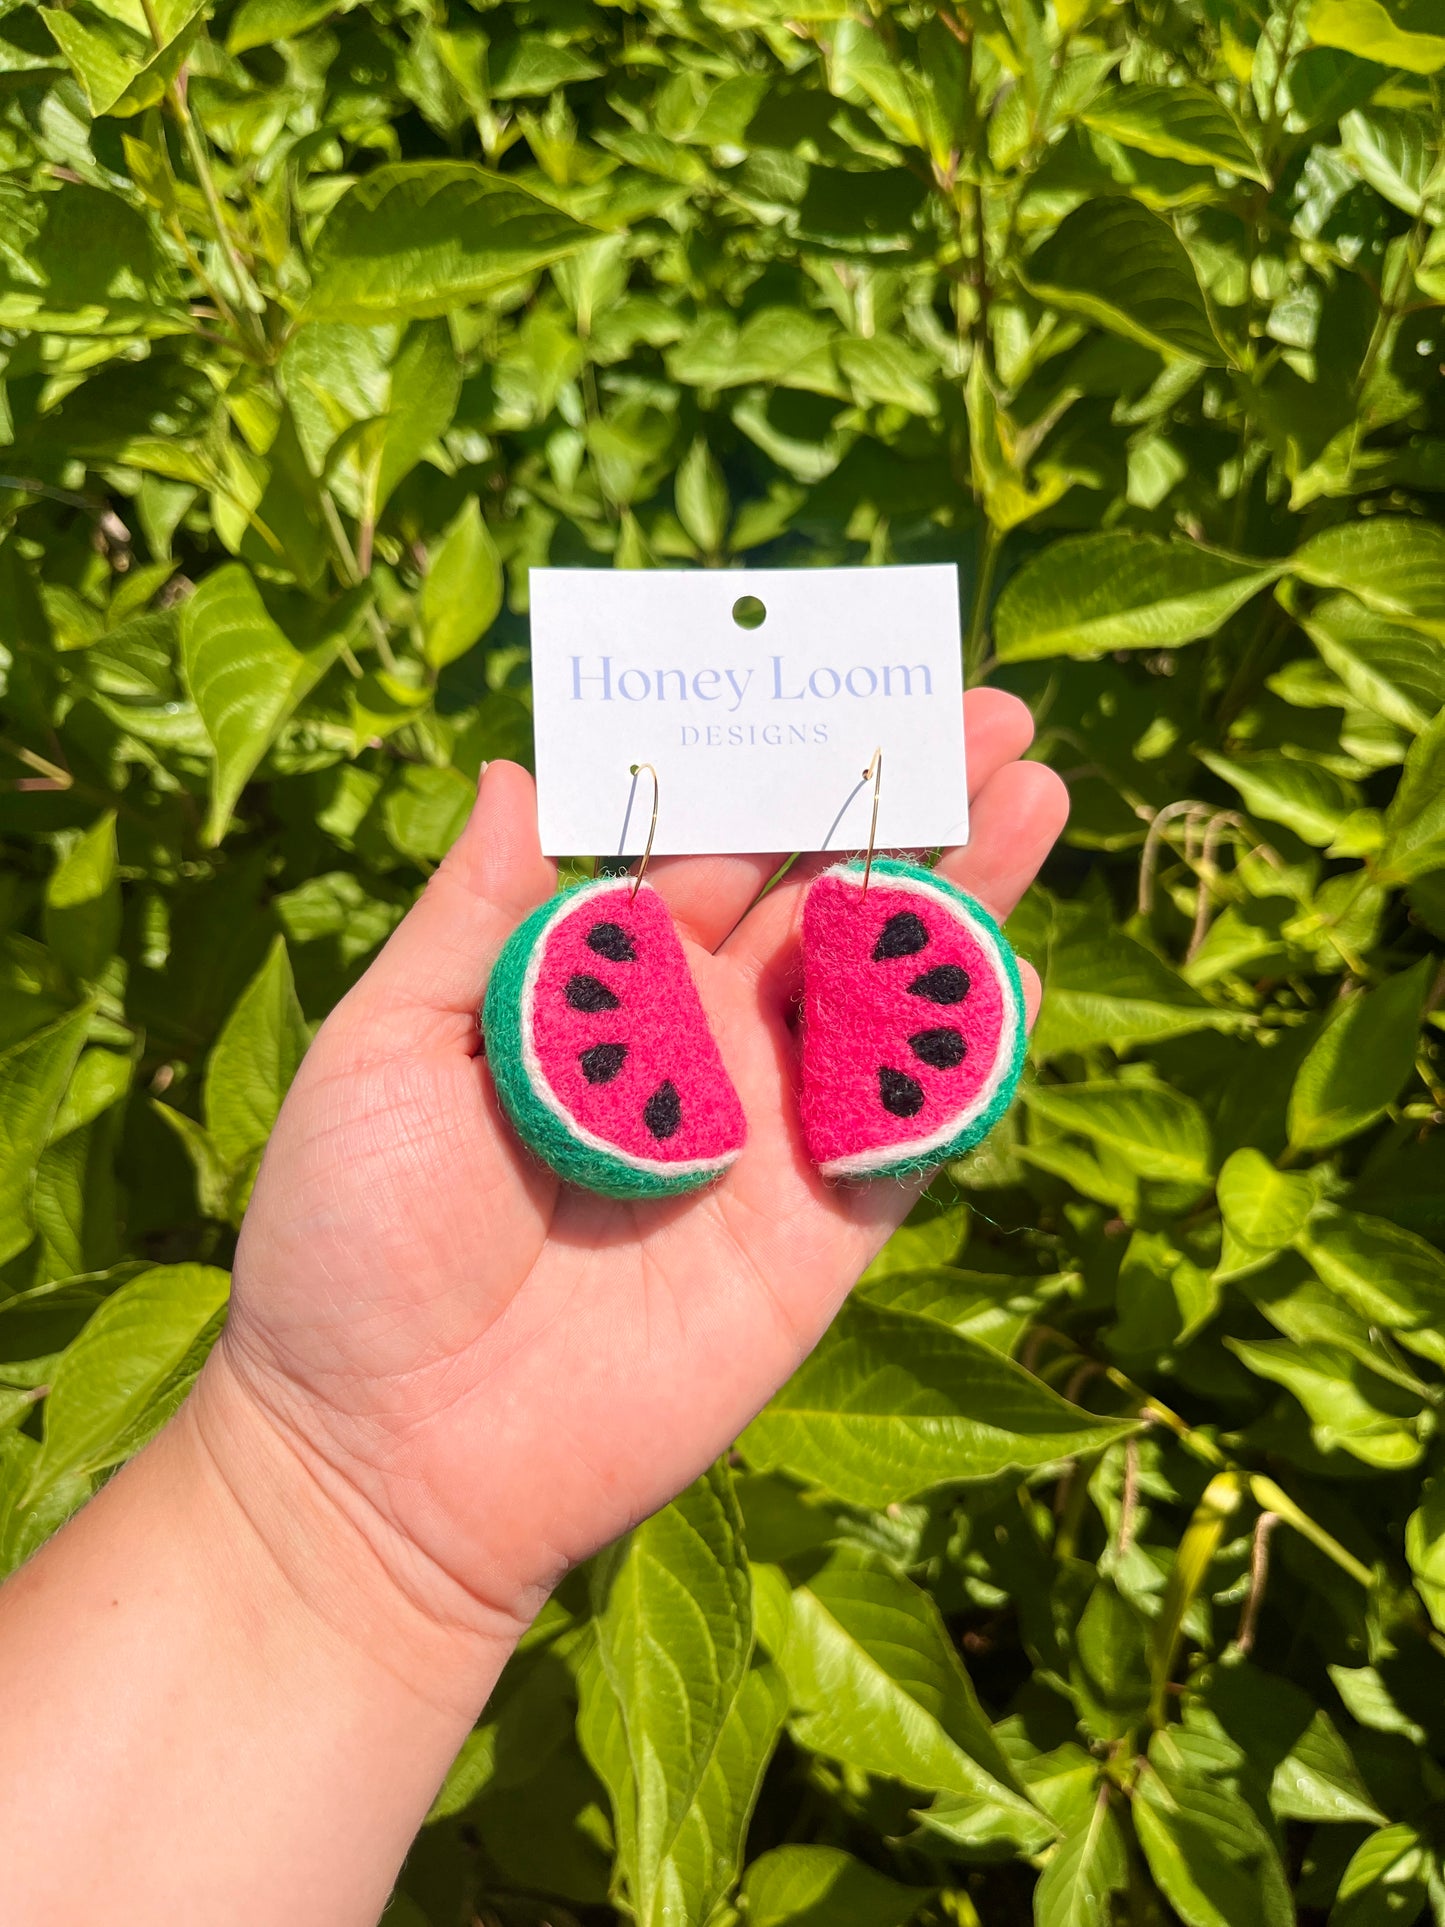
[(538, 1126), (975, 1132)]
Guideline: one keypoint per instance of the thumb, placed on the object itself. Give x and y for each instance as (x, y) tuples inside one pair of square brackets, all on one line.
[(430, 976)]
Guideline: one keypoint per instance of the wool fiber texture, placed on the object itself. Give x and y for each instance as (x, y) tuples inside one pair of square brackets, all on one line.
[(913, 1021), (600, 1049)]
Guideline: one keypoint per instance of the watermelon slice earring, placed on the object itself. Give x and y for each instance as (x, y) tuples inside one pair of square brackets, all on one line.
[(598, 1046), (913, 1017)]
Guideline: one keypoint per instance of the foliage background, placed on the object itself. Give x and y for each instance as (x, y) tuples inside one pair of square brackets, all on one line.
[(1093, 1567)]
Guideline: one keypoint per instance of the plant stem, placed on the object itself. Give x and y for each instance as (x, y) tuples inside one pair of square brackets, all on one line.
[(245, 290), (52, 772), (248, 300), (988, 548), (351, 573), (1274, 1498)]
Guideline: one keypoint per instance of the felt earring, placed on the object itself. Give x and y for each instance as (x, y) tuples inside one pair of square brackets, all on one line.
[(599, 1048), (913, 1017)]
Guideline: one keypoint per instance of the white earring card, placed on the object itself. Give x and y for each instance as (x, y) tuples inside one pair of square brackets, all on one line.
[(759, 696)]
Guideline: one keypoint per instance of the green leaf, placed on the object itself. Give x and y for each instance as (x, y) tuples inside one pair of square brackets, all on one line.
[(791, 347), (418, 238), (932, 1234), (1184, 123), (1349, 1408), (890, 1406), (1392, 151), (1109, 1677), (102, 1078), (1162, 1133), (1086, 1869), (213, 1180), (531, 1714), (703, 1863), (1415, 821), (1102, 987), (802, 1886), (1394, 566), (1212, 1857), (531, 64), (1088, 595), (1425, 1549), (34, 1075), (82, 261), (251, 1067), (1163, 1296), (689, 1738), (1357, 1065), (862, 64), (129, 1370), (1264, 1210), (1117, 264), (1386, 667), (1393, 32), (1263, 1207), (27, 1521), (1307, 1311), (462, 593), (886, 370), (260, 23), (244, 678), (425, 381), (1386, 1883), (122, 62), (876, 1685), (82, 902), (702, 501), (993, 1309), (1392, 1277), (424, 810), (998, 461), (1311, 801), (75, 1204), (1287, 1740)]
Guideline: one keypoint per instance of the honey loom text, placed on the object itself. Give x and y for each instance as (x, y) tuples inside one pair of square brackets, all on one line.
[(600, 679)]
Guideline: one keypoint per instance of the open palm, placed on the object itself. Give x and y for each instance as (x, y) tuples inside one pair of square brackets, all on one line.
[(507, 1371)]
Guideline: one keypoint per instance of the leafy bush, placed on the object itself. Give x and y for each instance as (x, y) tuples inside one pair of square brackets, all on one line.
[(1095, 1562)]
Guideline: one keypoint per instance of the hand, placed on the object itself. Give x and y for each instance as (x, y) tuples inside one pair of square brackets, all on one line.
[(493, 1374)]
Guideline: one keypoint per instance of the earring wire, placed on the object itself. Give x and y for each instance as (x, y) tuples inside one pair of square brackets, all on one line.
[(873, 774), (636, 769)]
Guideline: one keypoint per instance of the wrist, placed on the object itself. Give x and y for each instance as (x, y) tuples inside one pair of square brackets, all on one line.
[(325, 1559)]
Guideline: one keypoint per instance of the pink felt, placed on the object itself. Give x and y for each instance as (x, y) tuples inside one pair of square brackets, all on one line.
[(858, 1016), (659, 1018)]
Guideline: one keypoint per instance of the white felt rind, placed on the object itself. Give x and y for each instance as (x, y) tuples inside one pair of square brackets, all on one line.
[(567, 902), (864, 1164)]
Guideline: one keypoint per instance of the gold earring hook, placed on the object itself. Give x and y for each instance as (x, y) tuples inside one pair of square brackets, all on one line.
[(636, 769), (873, 774)]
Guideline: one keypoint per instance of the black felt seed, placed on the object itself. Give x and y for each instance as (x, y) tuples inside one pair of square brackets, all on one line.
[(610, 940), (902, 1095), (943, 1048), (902, 936), (944, 984), (589, 993), (602, 1063), (662, 1113)]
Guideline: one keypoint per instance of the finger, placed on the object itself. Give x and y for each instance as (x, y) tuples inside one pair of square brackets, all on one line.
[(997, 729), (438, 959), (1015, 821), (708, 894)]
